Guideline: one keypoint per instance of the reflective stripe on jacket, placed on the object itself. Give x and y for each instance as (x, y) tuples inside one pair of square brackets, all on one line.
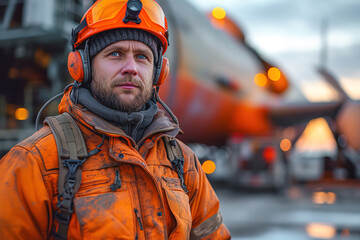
[(148, 204)]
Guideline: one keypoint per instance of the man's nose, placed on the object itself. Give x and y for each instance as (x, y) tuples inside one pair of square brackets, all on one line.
[(129, 67)]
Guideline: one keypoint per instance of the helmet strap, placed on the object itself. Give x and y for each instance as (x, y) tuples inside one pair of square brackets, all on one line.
[(75, 31), (87, 63)]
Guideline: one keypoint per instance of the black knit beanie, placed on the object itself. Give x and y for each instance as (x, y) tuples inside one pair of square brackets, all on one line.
[(101, 40)]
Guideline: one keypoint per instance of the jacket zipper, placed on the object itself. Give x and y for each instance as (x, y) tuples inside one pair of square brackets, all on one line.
[(117, 183), (158, 191), (162, 203), (151, 176), (139, 219)]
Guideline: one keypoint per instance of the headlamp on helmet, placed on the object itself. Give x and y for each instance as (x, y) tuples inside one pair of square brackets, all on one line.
[(133, 10)]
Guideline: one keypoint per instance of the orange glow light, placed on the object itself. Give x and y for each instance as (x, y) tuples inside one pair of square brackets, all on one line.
[(219, 13), (323, 197), (13, 73), (208, 167), (345, 233), (269, 154), (285, 145), (42, 58), (322, 231), (274, 74), (317, 136), (21, 114), (331, 198), (319, 197), (260, 79)]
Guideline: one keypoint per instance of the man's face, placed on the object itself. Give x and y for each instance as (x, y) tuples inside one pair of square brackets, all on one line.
[(122, 75)]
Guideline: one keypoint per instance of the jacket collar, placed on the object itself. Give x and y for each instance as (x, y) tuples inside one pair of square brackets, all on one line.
[(160, 123)]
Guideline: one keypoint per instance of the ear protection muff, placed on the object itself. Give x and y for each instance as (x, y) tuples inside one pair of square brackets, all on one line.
[(78, 65), (162, 69), (164, 72)]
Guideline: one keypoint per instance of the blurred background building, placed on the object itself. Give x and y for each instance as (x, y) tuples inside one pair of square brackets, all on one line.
[(34, 38)]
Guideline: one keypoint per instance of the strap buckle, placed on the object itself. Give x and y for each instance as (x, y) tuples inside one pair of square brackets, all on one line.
[(73, 165), (62, 217), (178, 163)]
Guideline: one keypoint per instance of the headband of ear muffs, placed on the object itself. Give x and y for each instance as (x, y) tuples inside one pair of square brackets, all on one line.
[(161, 70), (79, 66)]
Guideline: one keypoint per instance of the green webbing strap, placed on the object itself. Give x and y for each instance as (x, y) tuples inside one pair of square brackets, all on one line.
[(176, 157), (71, 148)]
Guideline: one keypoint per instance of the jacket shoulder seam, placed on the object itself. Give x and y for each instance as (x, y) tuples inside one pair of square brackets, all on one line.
[(31, 145), (31, 141)]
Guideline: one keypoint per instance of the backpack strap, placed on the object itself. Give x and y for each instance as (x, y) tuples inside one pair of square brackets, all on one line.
[(176, 157), (72, 154)]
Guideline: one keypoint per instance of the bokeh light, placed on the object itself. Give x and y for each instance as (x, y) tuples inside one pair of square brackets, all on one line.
[(21, 114), (208, 167), (274, 74), (285, 145), (219, 13), (321, 231), (260, 79), (269, 154)]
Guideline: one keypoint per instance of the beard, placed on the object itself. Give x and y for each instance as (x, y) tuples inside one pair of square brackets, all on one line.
[(113, 101)]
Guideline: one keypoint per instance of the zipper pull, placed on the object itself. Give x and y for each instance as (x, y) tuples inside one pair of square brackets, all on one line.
[(117, 184), (139, 219)]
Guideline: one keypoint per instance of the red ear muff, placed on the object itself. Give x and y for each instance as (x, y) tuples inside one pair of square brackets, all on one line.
[(75, 66), (164, 71)]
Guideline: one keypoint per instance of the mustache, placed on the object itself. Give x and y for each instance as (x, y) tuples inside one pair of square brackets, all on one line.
[(127, 79)]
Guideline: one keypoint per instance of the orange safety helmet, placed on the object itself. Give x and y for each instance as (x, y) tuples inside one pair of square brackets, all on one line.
[(105, 15)]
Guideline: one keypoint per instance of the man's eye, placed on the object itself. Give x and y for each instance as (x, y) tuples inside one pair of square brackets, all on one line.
[(115, 54), (141, 56)]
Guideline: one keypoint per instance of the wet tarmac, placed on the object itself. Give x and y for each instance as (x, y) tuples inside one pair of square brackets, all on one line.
[(301, 212)]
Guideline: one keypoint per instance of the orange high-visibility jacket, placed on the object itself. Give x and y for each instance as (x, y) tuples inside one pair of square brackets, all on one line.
[(150, 204)]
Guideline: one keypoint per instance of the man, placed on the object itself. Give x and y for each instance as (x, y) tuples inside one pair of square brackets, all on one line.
[(129, 186)]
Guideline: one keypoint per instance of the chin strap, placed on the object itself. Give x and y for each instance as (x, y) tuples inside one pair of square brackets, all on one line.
[(165, 106)]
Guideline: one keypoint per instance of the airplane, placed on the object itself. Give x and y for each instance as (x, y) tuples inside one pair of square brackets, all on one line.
[(212, 90), (211, 87)]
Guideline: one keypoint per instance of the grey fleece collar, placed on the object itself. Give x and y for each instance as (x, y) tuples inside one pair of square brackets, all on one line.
[(133, 124)]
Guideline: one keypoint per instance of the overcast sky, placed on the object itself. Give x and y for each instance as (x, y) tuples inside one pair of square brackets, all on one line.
[(288, 33)]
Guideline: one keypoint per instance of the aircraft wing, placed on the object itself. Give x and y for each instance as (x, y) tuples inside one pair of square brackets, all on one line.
[(292, 114)]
